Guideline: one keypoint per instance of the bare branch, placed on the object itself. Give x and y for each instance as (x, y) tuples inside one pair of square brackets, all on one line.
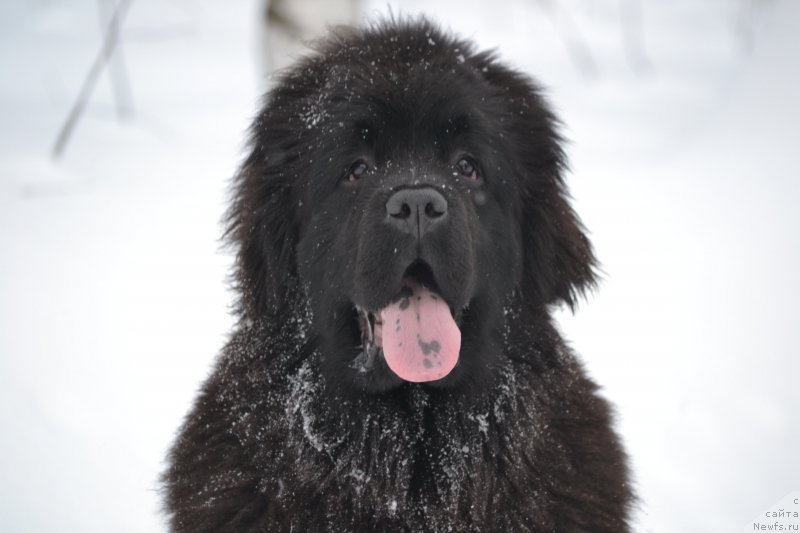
[(117, 72), (109, 43)]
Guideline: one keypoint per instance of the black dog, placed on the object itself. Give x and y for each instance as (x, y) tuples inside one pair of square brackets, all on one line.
[(402, 230)]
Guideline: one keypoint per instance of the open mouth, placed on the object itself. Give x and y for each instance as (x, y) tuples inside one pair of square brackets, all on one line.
[(415, 333)]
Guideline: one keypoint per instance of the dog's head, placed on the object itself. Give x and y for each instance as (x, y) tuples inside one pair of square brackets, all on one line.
[(408, 187)]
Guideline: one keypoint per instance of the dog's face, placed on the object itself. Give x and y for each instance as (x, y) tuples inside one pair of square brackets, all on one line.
[(409, 188), (416, 199)]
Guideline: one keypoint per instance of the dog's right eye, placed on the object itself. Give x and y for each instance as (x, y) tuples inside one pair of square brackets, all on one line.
[(356, 171)]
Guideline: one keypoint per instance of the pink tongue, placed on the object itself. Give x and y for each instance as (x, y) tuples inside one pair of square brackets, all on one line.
[(419, 336)]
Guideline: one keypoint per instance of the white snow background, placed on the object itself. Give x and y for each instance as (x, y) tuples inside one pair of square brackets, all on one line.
[(113, 296)]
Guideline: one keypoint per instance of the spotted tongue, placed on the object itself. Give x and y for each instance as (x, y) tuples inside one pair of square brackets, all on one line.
[(419, 336)]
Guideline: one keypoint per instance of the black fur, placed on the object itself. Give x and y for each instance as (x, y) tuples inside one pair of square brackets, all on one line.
[(287, 435)]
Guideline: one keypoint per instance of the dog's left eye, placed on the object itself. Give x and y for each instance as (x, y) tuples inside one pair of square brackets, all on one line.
[(467, 168), (358, 169)]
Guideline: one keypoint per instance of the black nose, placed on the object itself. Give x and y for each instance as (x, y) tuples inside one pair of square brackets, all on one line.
[(416, 211)]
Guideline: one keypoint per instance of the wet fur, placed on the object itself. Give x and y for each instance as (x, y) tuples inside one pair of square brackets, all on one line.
[(285, 437)]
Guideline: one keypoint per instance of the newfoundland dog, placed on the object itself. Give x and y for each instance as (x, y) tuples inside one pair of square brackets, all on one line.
[(402, 232)]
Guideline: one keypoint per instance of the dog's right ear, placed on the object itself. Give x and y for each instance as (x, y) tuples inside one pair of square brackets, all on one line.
[(262, 221), (260, 228)]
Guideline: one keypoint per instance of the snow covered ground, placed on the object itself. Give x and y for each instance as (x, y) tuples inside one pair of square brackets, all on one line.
[(113, 300)]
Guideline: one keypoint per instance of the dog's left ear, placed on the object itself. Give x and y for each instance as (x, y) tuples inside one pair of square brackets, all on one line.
[(558, 260)]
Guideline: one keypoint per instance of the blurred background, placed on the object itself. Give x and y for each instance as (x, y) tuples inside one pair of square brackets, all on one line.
[(122, 121)]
